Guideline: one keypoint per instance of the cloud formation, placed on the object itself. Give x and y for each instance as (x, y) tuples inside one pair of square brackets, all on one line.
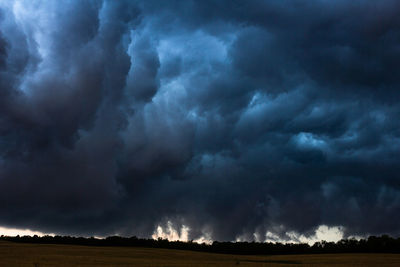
[(232, 118)]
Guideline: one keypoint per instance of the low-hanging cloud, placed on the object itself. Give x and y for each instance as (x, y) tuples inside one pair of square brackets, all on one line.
[(232, 118)]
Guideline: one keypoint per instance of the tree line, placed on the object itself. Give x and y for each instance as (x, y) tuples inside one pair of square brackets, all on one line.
[(372, 244)]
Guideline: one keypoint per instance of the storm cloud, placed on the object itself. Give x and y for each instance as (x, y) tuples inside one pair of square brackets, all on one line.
[(232, 118)]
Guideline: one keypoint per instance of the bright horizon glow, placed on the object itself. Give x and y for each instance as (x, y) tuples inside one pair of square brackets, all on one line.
[(323, 232), (21, 232)]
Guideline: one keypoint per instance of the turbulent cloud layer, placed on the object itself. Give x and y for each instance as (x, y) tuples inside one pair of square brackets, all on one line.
[(233, 119)]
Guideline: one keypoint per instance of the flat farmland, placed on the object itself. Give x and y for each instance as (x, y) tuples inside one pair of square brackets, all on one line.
[(18, 254)]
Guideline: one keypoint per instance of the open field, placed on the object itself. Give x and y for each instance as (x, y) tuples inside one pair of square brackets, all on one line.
[(17, 254)]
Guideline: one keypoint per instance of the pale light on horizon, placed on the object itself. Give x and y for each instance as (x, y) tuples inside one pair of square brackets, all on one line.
[(21, 232), (170, 233)]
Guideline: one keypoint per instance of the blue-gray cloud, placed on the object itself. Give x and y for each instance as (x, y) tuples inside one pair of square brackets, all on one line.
[(230, 117)]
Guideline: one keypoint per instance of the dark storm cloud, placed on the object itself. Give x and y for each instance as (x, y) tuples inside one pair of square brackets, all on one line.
[(233, 118)]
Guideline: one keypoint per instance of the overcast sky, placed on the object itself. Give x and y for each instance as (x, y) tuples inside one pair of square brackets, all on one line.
[(232, 120)]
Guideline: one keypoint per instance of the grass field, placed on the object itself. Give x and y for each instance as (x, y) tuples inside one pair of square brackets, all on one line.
[(16, 254)]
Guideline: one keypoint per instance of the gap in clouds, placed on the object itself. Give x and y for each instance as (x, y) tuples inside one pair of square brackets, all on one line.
[(21, 232), (321, 233)]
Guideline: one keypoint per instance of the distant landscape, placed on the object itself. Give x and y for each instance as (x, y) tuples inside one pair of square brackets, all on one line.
[(373, 244), (37, 255)]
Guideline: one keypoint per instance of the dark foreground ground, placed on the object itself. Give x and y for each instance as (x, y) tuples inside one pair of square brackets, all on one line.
[(17, 254)]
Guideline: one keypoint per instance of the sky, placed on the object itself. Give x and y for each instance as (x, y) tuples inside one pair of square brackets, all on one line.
[(200, 120)]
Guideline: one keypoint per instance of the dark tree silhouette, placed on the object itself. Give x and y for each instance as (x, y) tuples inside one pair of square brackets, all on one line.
[(373, 244)]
